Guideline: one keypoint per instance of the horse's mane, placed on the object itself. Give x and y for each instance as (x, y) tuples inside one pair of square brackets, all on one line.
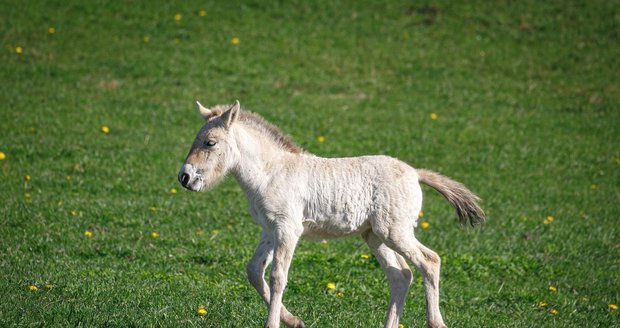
[(257, 122)]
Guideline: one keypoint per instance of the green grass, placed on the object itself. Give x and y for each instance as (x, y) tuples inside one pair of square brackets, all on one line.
[(527, 98)]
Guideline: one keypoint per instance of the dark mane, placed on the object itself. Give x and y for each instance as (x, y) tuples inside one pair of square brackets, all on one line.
[(256, 121)]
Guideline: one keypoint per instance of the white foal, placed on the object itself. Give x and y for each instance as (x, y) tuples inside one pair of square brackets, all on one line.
[(294, 194)]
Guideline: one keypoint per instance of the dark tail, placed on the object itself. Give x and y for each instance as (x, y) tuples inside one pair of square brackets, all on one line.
[(464, 201)]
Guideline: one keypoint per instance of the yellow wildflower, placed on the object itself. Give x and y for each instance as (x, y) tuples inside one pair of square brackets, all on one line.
[(49, 286), (421, 214), (548, 220), (331, 285), (2, 156), (365, 256), (173, 190), (27, 195), (202, 311), (340, 294), (542, 304), (320, 139), (553, 289), (146, 39), (400, 325), (88, 233), (178, 17), (235, 40), (154, 234), (105, 129), (425, 225), (19, 50), (27, 177), (613, 307), (33, 288), (202, 13), (554, 311), (433, 116), (74, 213), (51, 30)]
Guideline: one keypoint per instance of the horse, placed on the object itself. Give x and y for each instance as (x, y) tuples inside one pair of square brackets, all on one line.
[(293, 194)]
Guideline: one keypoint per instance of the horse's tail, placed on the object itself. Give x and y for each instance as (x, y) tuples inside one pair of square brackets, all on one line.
[(464, 201)]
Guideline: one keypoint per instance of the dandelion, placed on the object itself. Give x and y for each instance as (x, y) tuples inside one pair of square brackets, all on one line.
[(202, 13), (364, 256), (49, 286), (178, 17), (613, 307), (202, 311), (542, 304), (548, 220), (105, 129), (51, 30), (28, 195), (554, 312), (173, 190), (400, 325), (33, 288), (146, 39), (320, 139), (425, 225), (331, 285), (74, 213), (421, 214), (19, 50), (553, 289), (2, 156), (88, 233), (340, 294), (154, 235), (235, 40), (433, 116), (27, 178)]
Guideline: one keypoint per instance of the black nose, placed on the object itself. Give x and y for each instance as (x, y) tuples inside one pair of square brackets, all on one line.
[(184, 179)]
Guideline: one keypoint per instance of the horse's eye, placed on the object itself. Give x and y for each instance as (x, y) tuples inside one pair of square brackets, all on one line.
[(210, 143)]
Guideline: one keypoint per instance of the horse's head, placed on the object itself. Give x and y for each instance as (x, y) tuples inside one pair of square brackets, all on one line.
[(214, 150)]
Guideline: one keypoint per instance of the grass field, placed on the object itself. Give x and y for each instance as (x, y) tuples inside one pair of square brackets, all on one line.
[(517, 100)]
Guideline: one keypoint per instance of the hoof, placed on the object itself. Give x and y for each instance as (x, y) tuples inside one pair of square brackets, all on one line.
[(295, 322)]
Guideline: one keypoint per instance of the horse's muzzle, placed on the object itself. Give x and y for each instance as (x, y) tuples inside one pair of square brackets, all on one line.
[(189, 178)]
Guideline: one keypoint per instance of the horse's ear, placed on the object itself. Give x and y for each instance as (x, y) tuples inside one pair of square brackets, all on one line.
[(204, 112), (230, 116)]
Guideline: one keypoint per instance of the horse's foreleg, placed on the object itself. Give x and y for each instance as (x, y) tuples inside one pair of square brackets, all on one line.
[(284, 247), (256, 275), (398, 274)]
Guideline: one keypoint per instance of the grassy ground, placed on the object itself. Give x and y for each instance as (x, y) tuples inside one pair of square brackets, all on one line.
[(518, 100)]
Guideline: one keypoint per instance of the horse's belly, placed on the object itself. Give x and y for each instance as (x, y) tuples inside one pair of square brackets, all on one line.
[(319, 225)]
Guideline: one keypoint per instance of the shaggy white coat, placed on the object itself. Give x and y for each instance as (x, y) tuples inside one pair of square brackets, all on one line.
[(294, 194)]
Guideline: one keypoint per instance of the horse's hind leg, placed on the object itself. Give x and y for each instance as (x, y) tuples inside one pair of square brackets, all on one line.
[(398, 274), (427, 262), (256, 275)]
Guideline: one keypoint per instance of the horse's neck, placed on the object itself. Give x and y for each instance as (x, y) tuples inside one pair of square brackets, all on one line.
[(258, 160)]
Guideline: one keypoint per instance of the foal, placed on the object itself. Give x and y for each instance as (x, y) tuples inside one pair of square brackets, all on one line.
[(294, 194)]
